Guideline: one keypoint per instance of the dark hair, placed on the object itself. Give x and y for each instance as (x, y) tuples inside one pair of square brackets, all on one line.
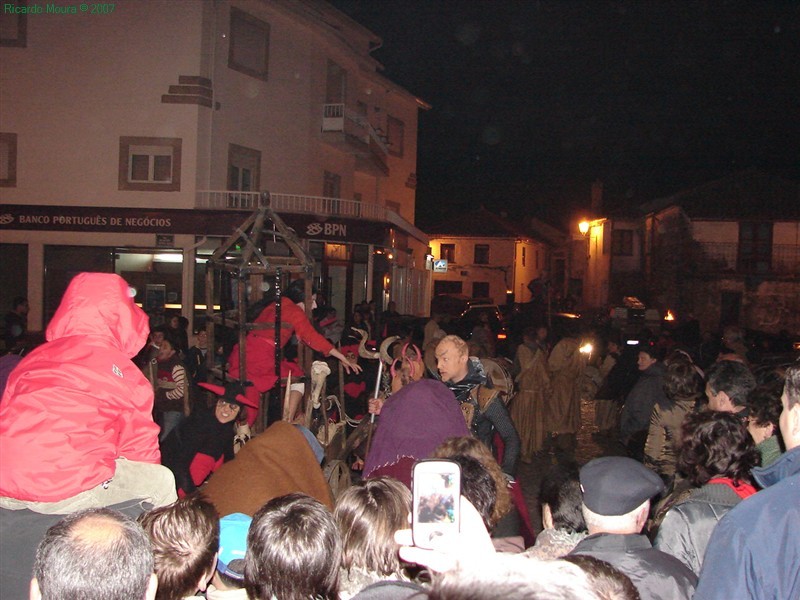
[(765, 405), (478, 486), (733, 378), (560, 489), (681, 380), (185, 537), (792, 386), (293, 551), (608, 582), (470, 446), (652, 350), (716, 444), (172, 339), (73, 561)]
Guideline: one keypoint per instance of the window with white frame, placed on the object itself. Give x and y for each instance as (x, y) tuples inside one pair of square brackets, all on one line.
[(150, 164)]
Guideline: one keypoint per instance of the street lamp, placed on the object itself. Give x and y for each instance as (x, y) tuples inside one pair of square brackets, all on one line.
[(583, 227)]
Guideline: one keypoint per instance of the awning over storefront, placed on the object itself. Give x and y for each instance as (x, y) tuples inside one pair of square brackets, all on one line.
[(176, 221)]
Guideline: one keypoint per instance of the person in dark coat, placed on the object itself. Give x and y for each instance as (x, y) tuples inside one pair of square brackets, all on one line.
[(755, 549), (616, 502), (648, 391)]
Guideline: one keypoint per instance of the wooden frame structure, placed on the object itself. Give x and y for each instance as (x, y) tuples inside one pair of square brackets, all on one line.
[(262, 249)]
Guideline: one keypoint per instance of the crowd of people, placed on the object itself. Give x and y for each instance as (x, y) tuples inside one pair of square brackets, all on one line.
[(125, 474)]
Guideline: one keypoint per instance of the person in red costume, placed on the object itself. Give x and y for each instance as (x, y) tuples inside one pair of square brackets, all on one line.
[(260, 346), (76, 429)]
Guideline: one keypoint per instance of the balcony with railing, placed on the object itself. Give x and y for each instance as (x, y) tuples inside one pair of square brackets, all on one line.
[(776, 260), (299, 204), (358, 136)]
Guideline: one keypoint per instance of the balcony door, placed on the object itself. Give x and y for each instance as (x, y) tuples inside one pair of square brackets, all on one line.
[(244, 168), (336, 84)]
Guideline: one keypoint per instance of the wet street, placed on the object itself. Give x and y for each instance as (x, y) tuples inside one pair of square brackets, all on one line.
[(587, 448)]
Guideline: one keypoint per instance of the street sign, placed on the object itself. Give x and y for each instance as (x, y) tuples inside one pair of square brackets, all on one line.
[(440, 265)]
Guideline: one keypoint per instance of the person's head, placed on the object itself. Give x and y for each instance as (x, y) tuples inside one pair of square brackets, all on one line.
[(232, 548), (392, 306), (96, 554), (452, 358), (227, 411), (728, 383), (764, 406), (185, 539), (296, 291), (616, 494), (605, 580), (201, 338), (715, 444), (293, 551), (560, 498), (157, 335), (20, 305), (368, 514), (648, 356), (408, 367), (470, 446), (790, 416), (513, 577), (167, 348), (681, 380), (732, 336), (174, 322), (478, 486), (231, 402)]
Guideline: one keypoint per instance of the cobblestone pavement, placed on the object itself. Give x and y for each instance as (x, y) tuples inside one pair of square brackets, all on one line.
[(587, 447)]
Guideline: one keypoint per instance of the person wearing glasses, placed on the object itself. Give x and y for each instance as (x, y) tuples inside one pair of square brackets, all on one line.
[(204, 441)]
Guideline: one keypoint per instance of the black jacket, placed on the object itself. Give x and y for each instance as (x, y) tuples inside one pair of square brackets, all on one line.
[(648, 391), (657, 576)]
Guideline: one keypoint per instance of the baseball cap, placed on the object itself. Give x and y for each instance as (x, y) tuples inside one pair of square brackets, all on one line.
[(233, 544)]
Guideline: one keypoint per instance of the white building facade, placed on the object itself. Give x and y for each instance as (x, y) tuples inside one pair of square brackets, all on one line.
[(137, 141)]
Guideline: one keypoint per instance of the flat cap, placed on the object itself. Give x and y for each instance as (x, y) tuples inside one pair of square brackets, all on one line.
[(615, 485)]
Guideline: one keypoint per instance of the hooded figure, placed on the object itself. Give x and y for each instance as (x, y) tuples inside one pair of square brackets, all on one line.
[(76, 429)]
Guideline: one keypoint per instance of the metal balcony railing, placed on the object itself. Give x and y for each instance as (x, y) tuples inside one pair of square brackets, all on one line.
[(334, 117), (291, 203), (313, 205)]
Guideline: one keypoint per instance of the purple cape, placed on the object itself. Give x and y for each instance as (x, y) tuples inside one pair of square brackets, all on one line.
[(413, 422)]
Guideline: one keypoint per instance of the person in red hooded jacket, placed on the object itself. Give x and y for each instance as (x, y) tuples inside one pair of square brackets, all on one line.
[(76, 427)]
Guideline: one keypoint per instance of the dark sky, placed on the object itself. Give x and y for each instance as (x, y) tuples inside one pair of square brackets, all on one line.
[(533, 100)]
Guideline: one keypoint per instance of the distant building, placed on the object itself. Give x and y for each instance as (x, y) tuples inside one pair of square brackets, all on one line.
[(137, 141), (484, 255), (727, 252)]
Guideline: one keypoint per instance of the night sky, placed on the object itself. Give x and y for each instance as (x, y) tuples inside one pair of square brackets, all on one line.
[(534, 100)]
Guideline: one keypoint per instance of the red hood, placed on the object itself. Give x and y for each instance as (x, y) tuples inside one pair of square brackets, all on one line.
[(98, 304)]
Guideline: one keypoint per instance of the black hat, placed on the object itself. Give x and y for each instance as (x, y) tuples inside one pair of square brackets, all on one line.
[(615, 485)]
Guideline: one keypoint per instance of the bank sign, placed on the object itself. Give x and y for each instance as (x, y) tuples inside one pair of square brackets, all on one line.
[(175, 221)]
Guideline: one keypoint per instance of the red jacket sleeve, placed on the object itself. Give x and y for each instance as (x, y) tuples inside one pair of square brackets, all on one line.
[(304, 329)]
